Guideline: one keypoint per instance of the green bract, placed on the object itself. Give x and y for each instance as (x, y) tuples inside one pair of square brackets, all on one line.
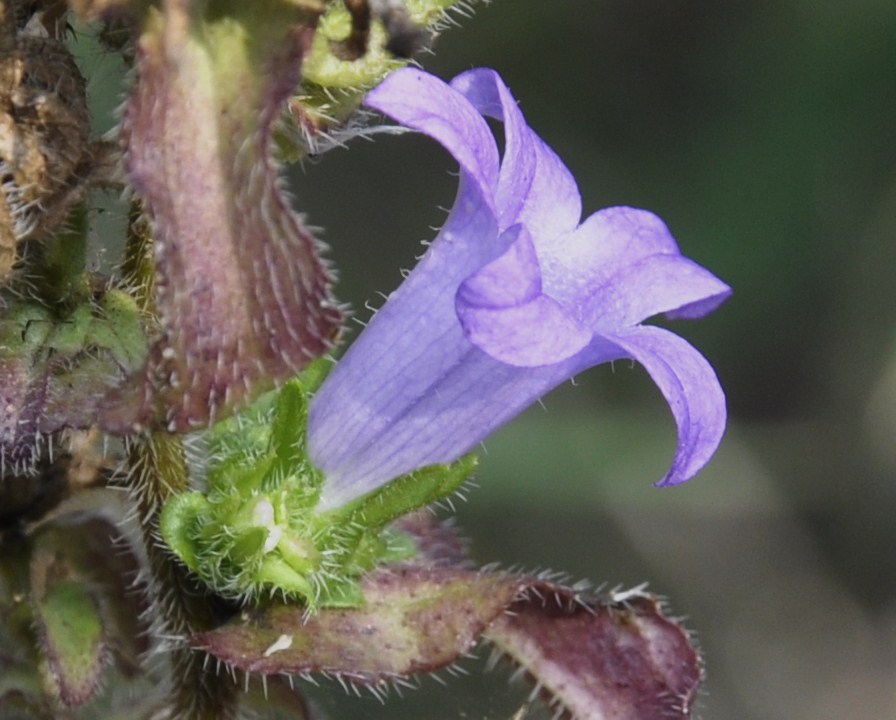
[(256, 529)]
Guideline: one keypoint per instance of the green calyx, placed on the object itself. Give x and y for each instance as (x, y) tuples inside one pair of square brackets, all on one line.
[(325, 68), (256, 531), (333, 87)]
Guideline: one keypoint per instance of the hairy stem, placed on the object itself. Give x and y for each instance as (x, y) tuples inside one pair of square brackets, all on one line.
[(158, 469)]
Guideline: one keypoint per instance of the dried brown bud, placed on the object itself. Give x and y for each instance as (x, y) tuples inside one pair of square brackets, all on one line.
[(44, 131)]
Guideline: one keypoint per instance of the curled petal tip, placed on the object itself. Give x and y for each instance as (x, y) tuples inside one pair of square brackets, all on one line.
[(690, 386)]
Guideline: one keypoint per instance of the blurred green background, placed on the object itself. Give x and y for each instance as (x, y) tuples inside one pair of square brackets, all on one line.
[(763, 133)]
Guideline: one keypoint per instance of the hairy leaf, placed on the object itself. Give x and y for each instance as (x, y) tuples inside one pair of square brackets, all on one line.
[(414, 620), (601, 661), (614, 658), (57, 366), (73, 637), (242, 296)]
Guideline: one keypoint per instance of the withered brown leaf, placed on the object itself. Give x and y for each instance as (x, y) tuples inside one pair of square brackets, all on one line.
[(45, 155)]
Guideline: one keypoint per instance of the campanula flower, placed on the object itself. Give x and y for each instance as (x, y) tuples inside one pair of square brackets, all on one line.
[(513, 297)]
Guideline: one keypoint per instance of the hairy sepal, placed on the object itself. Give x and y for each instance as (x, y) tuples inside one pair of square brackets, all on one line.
[(256, 531), (243, 297)]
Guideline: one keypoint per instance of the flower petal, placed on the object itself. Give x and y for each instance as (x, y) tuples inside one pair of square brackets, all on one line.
[(622, 266), (511, 279), (402, 354), (490, 96), (547, 199), (467, 400), (424, 103), (656, 284), (692, 390), (608, 241), (530, 335), (504, 313)]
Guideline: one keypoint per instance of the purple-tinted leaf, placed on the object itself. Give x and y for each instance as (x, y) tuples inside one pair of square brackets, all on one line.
[(73, 642), (414, 620), (619, 658), (242, 296), (619, 661), (22, 396), (55, 371), (109, 563)]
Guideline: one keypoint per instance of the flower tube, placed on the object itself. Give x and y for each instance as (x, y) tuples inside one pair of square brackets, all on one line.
[(513, 297)]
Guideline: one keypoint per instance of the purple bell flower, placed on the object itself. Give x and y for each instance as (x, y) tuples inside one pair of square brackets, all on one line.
[(513, 297)]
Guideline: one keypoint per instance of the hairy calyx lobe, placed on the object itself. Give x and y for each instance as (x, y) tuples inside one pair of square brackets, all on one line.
[(242, 297)]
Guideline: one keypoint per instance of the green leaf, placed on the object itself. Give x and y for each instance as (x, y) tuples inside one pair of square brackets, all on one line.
[(73, 640), (67, 615), (57, 366), (287, 443), (177, 524)]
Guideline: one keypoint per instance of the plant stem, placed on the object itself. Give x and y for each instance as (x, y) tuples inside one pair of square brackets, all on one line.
[(181, 608), (158, 469)]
